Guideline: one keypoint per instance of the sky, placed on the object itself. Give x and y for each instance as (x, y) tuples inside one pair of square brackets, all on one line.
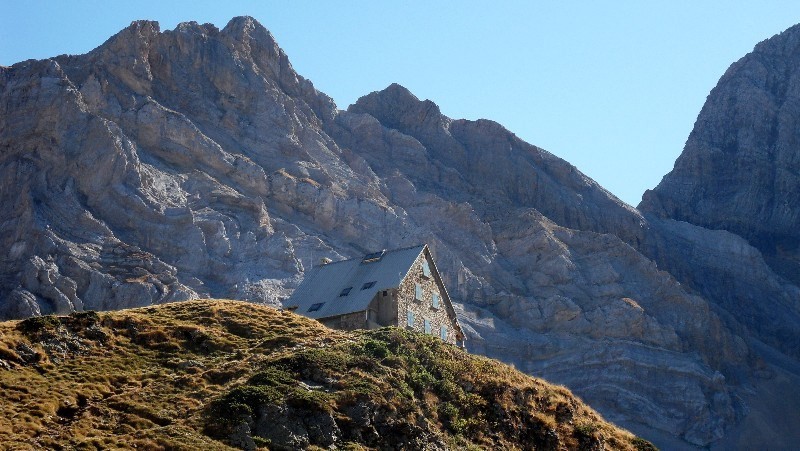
[(612, 87)]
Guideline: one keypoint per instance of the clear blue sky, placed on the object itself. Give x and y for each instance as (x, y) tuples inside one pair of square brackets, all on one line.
[(612, 87)]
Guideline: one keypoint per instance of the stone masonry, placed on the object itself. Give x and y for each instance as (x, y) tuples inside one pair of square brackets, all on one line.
[(422, 309)]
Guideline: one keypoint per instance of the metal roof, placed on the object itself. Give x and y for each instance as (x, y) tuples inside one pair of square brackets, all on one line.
[(324, 283)]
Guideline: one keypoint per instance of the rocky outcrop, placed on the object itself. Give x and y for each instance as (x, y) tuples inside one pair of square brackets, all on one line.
[(168, 165)]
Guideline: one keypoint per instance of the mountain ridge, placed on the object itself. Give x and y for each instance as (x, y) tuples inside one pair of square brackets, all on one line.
[(195, 162)]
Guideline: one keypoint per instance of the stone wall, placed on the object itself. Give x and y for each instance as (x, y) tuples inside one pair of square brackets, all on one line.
[(383, 309), (423, 309), (350, 321)]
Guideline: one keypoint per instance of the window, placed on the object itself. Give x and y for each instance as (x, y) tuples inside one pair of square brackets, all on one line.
[(315, 307), (427, 326), (426, 269), (345, 292), (410, 318), (417, 292), (435, 300), (368, 285), (443, 332)]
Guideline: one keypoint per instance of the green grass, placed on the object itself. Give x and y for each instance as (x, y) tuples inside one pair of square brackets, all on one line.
[(184, 375)]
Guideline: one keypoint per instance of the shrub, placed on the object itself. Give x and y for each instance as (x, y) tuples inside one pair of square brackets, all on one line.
[(272, 377), (38, 324), (376, 349), (242, 401), (642, 445)]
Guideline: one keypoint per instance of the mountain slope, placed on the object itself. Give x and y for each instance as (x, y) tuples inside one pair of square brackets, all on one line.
[(739, 173), (194, 162), (214, 374), (740, 169)]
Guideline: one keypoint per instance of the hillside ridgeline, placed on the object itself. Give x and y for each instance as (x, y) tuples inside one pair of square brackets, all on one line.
[(213, 374)]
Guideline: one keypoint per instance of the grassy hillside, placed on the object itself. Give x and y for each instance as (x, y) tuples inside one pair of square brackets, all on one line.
[(221, 374)]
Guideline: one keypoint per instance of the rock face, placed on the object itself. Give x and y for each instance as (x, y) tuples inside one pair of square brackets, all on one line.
[(740, 169), (740, 172), (163, 166)]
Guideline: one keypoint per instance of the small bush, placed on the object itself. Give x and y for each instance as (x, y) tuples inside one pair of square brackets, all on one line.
[(376, 349), (272, 377), (243, 401), (86, 318), (310, 400), (38, 324), (451, 418), (421, 379), (643, 445)]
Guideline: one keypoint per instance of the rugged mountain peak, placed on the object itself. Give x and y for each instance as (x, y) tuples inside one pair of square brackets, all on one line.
[(396, 107), (246, 29), (141, 28), (783, 43), (245, 24), (139, 33), (740, 168)]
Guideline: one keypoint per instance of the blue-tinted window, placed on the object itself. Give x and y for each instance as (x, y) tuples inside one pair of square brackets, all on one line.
[(410, 318), (427, 326), (426, 269), (435, 300), (315, 307), (418, 292), (368, 285), (345, 292), (443, 332)]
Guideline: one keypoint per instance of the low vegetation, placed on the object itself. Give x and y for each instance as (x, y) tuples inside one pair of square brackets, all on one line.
[(224, 374)]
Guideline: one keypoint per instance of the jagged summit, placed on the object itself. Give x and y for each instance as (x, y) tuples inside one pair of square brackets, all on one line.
[(241, 27), (245, 24), (785, 42), (396, 105)]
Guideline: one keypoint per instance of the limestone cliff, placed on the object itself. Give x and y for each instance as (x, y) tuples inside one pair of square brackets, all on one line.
[(740, 169), (169, 165), (739, 173)]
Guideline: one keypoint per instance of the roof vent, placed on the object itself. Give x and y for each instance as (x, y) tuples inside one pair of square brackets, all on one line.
[(325, 261), (373, 257)]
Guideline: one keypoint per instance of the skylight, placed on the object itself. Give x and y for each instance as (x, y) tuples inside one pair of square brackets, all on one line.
[(373, 257), (368, 285), (345, 292), (315, 307)]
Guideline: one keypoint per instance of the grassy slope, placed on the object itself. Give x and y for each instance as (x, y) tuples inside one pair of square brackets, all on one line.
[(185, 375)]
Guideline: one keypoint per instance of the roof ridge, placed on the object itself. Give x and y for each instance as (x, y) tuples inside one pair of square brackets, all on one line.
[(387, 251)]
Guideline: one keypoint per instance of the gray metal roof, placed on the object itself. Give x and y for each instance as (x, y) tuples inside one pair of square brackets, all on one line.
[(324, 283)]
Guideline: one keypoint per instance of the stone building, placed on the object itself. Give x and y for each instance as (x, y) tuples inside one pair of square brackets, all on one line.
[(389, 288)]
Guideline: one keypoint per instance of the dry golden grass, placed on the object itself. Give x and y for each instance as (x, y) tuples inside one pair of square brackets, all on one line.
[(151, 378)]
